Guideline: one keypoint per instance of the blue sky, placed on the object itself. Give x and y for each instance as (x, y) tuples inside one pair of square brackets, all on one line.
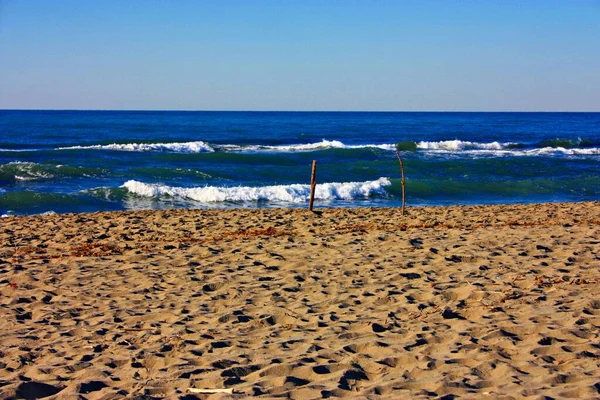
[(445, 55)]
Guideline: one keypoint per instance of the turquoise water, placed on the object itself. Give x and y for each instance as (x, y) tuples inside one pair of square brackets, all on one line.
[(85, 161)]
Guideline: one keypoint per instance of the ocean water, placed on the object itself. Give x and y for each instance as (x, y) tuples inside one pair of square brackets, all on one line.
[(86, 161)]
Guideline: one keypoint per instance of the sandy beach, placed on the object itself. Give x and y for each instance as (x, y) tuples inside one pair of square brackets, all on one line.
[(475, 302)]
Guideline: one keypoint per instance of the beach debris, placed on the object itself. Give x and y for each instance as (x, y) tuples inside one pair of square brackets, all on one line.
[(270, 231), (543, 281), (95, 249)]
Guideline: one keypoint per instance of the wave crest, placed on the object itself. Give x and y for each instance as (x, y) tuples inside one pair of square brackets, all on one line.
[(186, 147), (496, 149), (304, 147), (295, 193), (457, 145)]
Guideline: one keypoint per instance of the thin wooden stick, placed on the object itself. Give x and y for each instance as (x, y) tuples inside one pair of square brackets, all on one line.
[(313, 184), (403, 182)]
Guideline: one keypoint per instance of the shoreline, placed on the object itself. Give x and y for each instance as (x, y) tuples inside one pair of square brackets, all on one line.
[(487, 300), (317, 208)]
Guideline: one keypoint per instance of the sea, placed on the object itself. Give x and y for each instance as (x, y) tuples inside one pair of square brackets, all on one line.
[(89, 161)]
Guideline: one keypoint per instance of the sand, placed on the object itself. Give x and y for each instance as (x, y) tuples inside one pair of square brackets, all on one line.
[(472, 302)]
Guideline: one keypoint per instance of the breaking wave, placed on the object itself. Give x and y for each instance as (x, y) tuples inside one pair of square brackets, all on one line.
[(289, 148), (504, 149), (552, 147), (457, 145), (186, 147), (295, 193)]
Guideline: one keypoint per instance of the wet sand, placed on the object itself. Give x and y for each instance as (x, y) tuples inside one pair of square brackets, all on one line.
[(476, 302)]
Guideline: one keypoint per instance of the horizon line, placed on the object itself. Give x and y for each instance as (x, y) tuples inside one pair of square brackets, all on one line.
[(299, 111)]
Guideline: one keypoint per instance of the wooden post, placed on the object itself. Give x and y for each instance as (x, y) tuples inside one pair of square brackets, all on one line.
[(313, 184), (403, 182)]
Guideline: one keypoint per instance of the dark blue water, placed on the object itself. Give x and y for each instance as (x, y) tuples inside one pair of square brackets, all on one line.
[(84, 161)]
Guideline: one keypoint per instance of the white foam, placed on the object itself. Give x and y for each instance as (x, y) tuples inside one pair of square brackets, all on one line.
[(593, 151), (186, 147), (290, 148), (457, 145), (296, 193), (545, 151), (497, 149)]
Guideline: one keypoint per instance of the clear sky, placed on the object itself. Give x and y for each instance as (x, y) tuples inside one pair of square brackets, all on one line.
[(523, 55)]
